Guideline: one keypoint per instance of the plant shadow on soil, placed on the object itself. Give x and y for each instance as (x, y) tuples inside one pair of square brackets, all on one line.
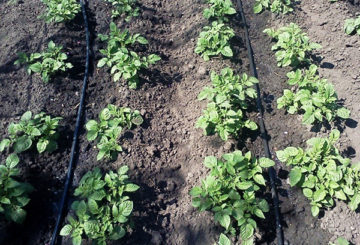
[(40, 210), (155, 76), (9, 66), (339, 124)]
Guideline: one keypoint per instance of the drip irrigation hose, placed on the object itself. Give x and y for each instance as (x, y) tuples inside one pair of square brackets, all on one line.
[(73, 157), (263, 132)]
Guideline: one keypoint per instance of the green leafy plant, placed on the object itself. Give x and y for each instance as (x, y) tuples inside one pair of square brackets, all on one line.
[(102, 210), (13, 194), (60, 10), (120, 38), (124, 7), (352, 26), (322, 173), (293, 46), (47, 63), (228, 99), (314, 97), (229, 191), (219, 9), (223, 240), (275, 6), (107, 132), (39, 130), (214, 40), (123, 62), (340, 241)]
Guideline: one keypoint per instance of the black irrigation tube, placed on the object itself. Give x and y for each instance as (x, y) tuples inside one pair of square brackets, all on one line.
[(73, 157), (263, 133)]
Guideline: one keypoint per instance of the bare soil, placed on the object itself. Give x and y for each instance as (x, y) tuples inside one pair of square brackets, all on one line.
[(165, 154)]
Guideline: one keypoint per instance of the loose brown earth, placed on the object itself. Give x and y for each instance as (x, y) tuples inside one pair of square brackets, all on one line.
[(165, 154)]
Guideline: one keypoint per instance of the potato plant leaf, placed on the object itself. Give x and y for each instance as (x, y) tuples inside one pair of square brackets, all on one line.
[(229, 192), (322, 173), (13, 194), (295, 176), (106, 132), (100, 217), (313, 97), (292, 45), (47, 63), (39, 129), (224, 240), (229, 97), (60, 10), (123, 62), (214, 40)]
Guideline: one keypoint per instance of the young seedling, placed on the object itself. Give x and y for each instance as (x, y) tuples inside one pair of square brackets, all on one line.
[(314, 97), (47, 63), (124, 8), (103, 209), (107, 132), (13, 194), (39, 130), (60, 10), (214, 40), (275, 6), (123, 62), (292, 45), (219, 9), (322, 173), (228, 100), (352, 26), (229, 191)]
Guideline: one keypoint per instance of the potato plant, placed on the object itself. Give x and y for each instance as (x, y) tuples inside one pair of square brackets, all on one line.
[(223, 240), (214, 40), (123, 62), (322, 173), (107, 131), (13, 194), (292, 45), (120, 38), (47, 63), (102, 209), (60, 10), (219, 9), (275, 6), (229, 191), (124, 8), (40, 130), (314, 97), (352, 26), (228, 100)]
